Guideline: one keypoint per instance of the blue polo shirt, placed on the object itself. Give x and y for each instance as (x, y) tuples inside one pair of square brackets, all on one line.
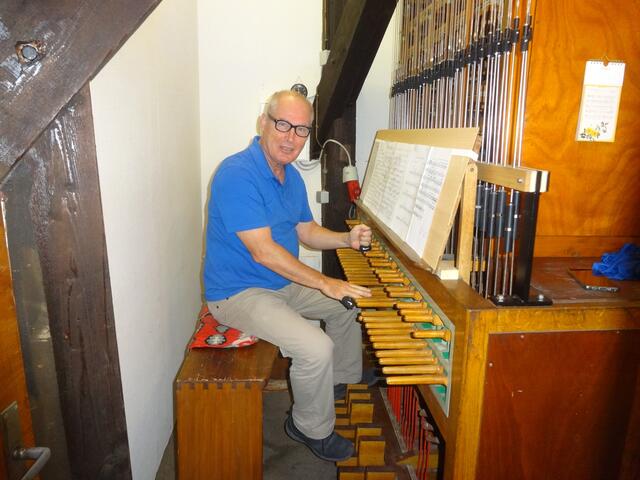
[(245, 194)]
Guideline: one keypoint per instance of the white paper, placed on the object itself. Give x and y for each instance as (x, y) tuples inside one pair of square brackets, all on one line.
[(601, 91), (417, 158), (404, 182), (431, 183), (375, 178)]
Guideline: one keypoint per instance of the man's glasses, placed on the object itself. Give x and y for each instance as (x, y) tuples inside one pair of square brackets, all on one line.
[(284, 126)]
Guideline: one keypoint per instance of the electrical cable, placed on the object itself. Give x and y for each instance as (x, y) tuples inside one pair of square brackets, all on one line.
[(307, 165), (350, 174), (311, 164), (322, 145), (331, 140)]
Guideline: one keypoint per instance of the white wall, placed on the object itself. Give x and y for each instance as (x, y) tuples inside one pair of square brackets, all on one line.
[(248, 50), (146, 113), (372, 106), (270, 46), (159, 141)]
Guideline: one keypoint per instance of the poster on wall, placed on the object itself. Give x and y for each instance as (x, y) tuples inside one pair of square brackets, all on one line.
[(600, 101)]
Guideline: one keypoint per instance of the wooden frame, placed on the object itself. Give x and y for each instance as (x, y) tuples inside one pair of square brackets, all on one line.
[(517, 178)]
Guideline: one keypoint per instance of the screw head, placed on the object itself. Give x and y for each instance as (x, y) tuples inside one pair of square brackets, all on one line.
[(30, 51)]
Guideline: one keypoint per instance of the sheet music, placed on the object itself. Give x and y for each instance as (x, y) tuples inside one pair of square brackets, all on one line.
[(370, 167), (398, 159), (386, 200), (375, 178), (404, 186), (417, 159), (433, 176)]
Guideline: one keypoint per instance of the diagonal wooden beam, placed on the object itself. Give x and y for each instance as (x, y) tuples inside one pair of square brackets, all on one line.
[(70, 40), (360, 31), (65, 211)]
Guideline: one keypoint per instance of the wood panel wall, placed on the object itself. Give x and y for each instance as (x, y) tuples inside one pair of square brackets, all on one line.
[(593, 204), (570, 416)]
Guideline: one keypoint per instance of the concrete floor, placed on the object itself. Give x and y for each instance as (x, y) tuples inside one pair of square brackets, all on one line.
[(283, 458)]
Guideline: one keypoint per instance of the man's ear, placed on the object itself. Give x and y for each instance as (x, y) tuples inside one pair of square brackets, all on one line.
[(260, 123)]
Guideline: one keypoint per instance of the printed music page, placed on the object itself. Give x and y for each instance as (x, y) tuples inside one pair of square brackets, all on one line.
[(370, 168), (382, 203), (400, 158), (387, 181), (431, 182), (417, 159), (376, 171)]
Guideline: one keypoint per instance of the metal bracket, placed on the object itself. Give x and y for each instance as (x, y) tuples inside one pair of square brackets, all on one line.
[(12, 440), (534, 299)]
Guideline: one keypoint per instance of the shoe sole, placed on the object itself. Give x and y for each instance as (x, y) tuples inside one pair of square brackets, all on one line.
[(299, 439)]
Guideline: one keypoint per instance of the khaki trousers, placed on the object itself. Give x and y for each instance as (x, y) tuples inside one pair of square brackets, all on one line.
[(319, 359)]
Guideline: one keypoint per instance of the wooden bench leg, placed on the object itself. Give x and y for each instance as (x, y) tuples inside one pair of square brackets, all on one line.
[(219, 431)]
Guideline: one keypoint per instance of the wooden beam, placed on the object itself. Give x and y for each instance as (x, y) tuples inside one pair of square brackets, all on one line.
[(73, 40), (66, 212), (336, 211), (518, 178), (357, 38)]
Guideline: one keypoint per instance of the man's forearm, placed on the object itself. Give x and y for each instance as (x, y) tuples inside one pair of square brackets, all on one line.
[(283, 263), (321, 238), (278, 259)]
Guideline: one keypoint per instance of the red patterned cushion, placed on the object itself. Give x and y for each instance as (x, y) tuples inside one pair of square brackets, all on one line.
[(212, 334)]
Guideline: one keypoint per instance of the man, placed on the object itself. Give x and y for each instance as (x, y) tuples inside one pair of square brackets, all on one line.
[(257, 213)]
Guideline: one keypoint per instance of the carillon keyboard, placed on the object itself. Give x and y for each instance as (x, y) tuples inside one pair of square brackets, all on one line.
[(412, 339)]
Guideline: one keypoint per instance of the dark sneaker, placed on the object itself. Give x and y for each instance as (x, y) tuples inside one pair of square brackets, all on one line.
[(333, 448), (369, 378)]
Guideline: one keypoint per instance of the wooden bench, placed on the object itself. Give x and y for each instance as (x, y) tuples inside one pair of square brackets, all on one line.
[(218, 401)]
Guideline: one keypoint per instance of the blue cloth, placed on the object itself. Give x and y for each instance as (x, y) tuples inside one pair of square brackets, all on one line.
[(245, 194), (621, 265)]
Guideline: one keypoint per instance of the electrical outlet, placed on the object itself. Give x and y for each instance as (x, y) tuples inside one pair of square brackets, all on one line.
[(322, 196)]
